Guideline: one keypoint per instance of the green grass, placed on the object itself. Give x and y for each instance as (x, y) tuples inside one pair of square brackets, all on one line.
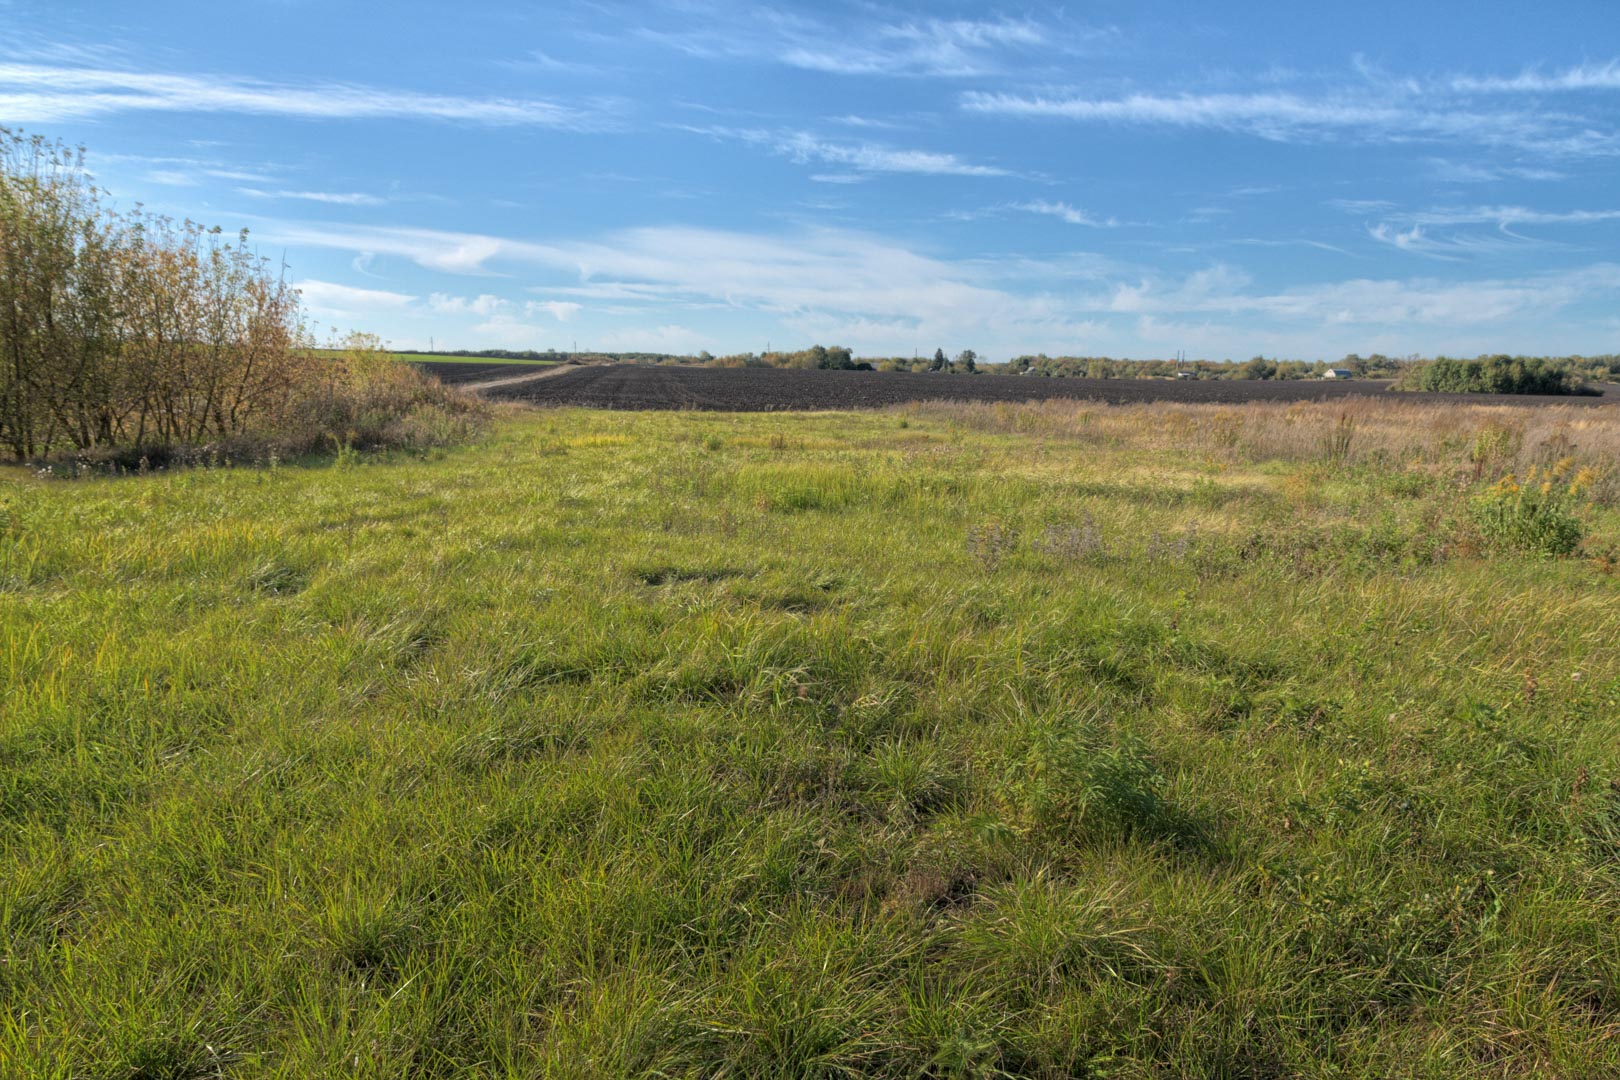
[(800, 745), (439, 358)]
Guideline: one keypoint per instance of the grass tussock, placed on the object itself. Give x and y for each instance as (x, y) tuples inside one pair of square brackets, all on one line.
[(1040, 742)]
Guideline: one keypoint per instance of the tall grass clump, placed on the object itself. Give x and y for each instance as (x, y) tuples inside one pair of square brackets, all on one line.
[(364, 398)]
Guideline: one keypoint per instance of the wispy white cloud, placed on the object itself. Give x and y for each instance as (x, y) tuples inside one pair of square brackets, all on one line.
[(170, 177), (484, 304), (1503, 217), (332, 198), (34, 93), (1416, 240), (881, 295), (851, 120), (1413, 231), (1361, 206), (24, 45), (1272, 114), (1061, 210), (449, 252), (807, 149), (907, 48), (944, 47), (179, 171), (241, 175), (538, 60), (1064, 212), (507, 331), (1393, 303), (1507, 216), (333, 300), (870, 157), (1393, 111), (1467, 172), (824, 269), (668, 337), (1292, 242), (561, 310), (1605, 76), (499, 320)]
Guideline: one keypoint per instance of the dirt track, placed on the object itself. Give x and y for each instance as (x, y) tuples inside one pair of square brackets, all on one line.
[(633, 386), (463, 375)]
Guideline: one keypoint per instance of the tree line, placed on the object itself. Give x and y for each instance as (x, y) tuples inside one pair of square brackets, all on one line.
[(1493, 375), (1375, 366), (1490, 371), (840, 358)]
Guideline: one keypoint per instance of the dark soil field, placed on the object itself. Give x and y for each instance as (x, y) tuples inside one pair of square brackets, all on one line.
[(627, 386)]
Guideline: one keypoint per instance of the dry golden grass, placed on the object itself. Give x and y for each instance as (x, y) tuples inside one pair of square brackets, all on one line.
[(1473, 440)]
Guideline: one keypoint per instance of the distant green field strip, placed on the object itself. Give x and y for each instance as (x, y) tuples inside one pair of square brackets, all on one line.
[(429, 358), (433, 358)]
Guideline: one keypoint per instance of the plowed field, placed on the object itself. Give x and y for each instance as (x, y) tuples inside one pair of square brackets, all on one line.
[(630, 386)]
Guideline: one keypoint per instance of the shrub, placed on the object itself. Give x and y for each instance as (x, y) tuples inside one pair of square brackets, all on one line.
[(1535, 516), (131, 338), (364, 399), (1492, 375)]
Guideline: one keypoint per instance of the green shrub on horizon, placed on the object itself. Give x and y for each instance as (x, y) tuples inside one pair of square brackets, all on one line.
[(1491, 375)]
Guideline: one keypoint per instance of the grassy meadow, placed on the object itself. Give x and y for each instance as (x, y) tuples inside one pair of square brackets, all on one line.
[(441, 358), (1045, 741)]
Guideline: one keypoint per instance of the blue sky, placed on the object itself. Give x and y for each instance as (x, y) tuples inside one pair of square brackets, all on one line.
[(1110, 178)]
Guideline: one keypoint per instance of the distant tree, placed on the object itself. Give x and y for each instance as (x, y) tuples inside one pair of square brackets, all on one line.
[(939, 361), (1376, 364), (1492, 375), (1258, 368), (129, 330), (838, 358), (967, 360)]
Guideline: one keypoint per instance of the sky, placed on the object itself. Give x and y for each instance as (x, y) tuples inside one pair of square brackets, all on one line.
[(1124, 177)]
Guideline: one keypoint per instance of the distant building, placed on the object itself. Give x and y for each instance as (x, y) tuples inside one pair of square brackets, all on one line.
[(1338, 373)]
